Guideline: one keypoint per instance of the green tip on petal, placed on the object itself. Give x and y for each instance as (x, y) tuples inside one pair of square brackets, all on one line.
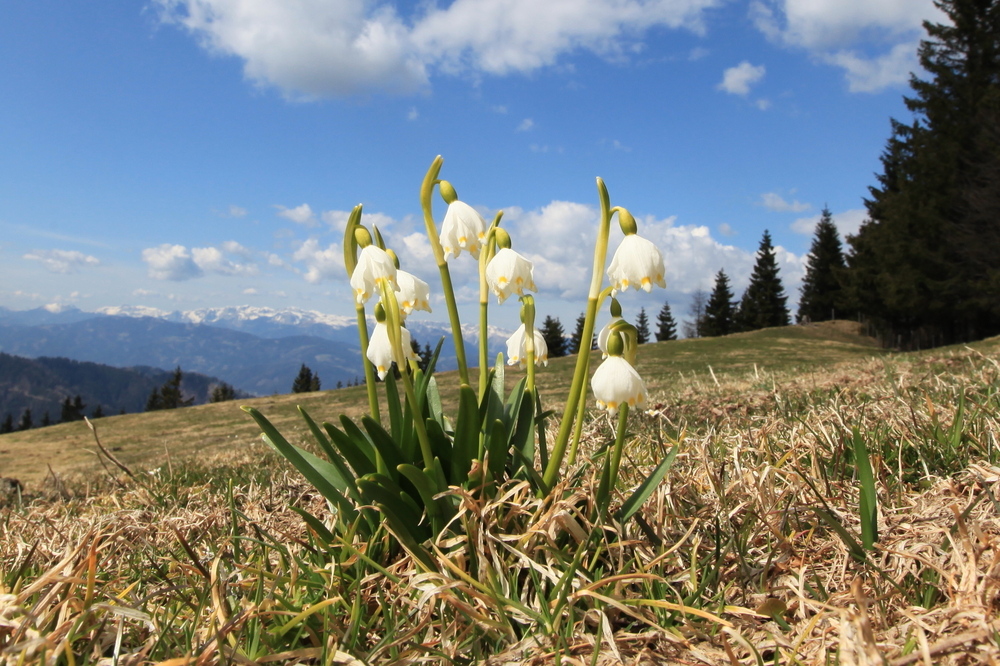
[(380, 313), (395, 259), (627, 222), (447, 192)]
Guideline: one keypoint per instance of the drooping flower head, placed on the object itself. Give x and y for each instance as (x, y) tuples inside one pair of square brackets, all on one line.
[(508, 272), (374, 265), (616, 382), (463, 228), (380, 351), (516, 352), (637, 263), (414, 293)]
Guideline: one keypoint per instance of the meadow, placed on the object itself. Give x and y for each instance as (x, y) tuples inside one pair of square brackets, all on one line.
[(828, 502)]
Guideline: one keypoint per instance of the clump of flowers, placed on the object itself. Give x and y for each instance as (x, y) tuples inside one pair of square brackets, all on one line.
[(402, 471)]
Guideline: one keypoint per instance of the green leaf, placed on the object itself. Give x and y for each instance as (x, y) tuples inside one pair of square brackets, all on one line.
[(406, 538), (352, 450), (323, 476), (385, 445), (440, 443), (335, 459), (425, 485), (868, 502), (646, 488), (497, 451), (380, 489), (857, 552), (522, 437), (317, 526), (465, 444)]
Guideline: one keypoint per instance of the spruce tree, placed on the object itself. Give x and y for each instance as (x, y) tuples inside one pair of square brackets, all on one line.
[(554, 336), (763, 303), (720, 310), (7, 425), (303, 381), (923, 267), (642, 327), (26, 422), (666, 327), (821, 293), (222, 392), (574, 340), (72, 409), (170, 395)]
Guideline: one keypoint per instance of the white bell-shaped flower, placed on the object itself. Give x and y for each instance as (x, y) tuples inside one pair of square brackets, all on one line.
[(616, 383), (602, 337), (374, 265), (509, 273), (380, 351), (516, 352), (637, 263), (462, 229), (414, 293)]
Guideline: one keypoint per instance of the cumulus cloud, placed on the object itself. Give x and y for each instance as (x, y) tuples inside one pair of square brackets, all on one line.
[(834, 32), (737, 80), (525, 125), (343, 47), (321, 263), (847, 222), (776, 203), (177, 262), (62, 261), (299, 215)]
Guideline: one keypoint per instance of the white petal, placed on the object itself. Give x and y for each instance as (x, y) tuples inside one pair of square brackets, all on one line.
[(374, 264), (509, 273), (616, 382), (517, 354), (637, 263), (414, 293), (602, 337), (462, 229)]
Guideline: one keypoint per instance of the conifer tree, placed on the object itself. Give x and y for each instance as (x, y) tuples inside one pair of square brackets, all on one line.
[(642, 327), (923, 267), (303, 381), (554, 336), (26, 422), (666, 327), (821, 293), (169, 396), (574, 341), (720, 310), (222, 392), (72, 409), (46, 419), (7, 425), (763, 303)]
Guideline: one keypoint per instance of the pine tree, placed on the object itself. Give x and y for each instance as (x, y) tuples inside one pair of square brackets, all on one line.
[(46, 419), (554, 336), (222, 392), (821, 293), (642, 327), (763, 303), (695, 325), (923, 267), (574, 340), (7, 425), (170, 395), (98, 412), (72, 409), (666, 327), (303, 381), (720, 310), (26, 422)]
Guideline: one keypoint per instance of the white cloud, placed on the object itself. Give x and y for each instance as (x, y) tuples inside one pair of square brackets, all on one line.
[(763, 104), (177, 263), (344, 47), (236, 211), (62, 261), (833, 30), (170, 262), (726, 229), (413, 113), (875, 74), (321, 263), (776, 203), (525, 125), (847, 222), (299, 215), (737, 80)]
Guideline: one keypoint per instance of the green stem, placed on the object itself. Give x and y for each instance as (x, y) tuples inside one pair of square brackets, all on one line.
[(609, 477), (583, 358), (582, 408), (370, 382), (426, 191), (486, 253)]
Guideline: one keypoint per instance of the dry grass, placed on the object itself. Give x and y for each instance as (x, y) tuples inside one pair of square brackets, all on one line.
[(207, 564)]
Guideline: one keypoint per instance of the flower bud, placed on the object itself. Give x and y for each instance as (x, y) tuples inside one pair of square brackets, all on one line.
[(627, 222), (362, 236), (502, 238), (616, 346), (447, 191), (616, 308)]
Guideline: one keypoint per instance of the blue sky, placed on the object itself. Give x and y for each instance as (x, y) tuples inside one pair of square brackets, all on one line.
[(181, 154)]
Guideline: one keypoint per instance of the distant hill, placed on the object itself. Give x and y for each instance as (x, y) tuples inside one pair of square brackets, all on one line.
[(259, 350), (42, 384)]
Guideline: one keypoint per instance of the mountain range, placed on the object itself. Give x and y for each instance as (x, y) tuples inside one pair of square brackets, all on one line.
[(257, 350)]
